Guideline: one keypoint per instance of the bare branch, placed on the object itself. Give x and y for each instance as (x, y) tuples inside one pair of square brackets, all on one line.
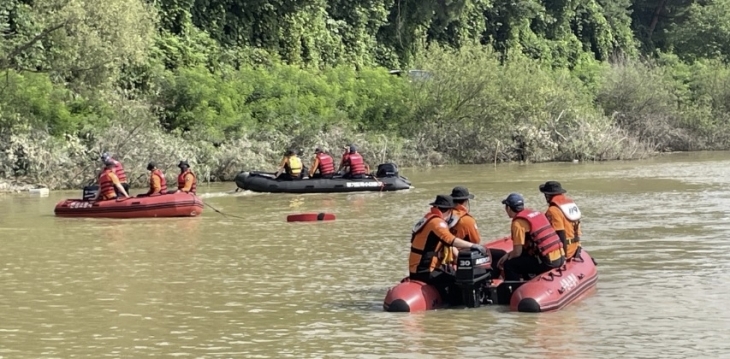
[(4, 64)]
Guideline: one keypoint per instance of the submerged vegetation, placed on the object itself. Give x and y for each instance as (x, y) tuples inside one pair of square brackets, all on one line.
[(230, 85)]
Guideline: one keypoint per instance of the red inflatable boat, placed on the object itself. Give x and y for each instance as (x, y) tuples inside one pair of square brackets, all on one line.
[(480, 284), (180, 204)]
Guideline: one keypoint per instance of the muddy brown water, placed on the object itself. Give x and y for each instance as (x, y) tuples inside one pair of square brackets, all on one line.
[(223, 287)]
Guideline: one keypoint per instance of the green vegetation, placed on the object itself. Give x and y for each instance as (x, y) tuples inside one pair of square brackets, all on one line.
[(230, 84)]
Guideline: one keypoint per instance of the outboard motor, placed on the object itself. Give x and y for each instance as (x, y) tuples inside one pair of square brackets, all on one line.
[(90, 192), (473, 273), (387, 170)]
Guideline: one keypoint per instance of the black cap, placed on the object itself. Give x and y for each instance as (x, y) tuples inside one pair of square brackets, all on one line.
[(183, 163), (514, 201), (353, 149), (552, 187), (151, 166), (317, 150), (443, 201), (459, 193)]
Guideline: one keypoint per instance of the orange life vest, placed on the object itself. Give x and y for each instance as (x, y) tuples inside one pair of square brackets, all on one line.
[(163, 181), (119, 171), (424, 247), (356, 163), (181, 181), (326, 164), (106, 186), (542, 239)]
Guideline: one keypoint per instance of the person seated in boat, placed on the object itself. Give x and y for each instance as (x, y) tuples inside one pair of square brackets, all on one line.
[(564, 215), (428, 237), (158, 183), (323, 165), (186, 181), (356, 166), (290, 167), (109, 185), (536, 246), (118, 170), (461, 223)]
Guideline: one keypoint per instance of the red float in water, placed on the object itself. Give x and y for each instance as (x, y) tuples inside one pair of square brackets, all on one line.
[(310, 217), (478, 284)]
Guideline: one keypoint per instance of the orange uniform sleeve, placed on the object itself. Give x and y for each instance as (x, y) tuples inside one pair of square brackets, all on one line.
[(520, 227), (113, 177), (441, 229), (555, 216), (155, 184), (315, 164), (469, 229), (189, 178)]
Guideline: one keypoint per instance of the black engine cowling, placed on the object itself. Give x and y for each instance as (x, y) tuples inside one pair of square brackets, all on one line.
[(387, 170), (90, 192), (473, 273)]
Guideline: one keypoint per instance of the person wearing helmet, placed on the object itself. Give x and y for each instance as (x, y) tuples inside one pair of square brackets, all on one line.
[(564, 216), (536, 246), (109, 184), (186, 181), (323, 164), (356, 166), (428, 237), (158, 183), (118, 170), (290, 167)]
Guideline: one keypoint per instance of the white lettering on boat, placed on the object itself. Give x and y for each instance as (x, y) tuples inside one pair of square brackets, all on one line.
[(364, 184), (79, 205), (569, 282)]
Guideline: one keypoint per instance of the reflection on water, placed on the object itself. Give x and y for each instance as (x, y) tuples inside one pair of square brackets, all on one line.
[(260, 287)]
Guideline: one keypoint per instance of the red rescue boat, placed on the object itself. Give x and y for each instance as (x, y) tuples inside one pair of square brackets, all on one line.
[(179, 204), (480, 284)]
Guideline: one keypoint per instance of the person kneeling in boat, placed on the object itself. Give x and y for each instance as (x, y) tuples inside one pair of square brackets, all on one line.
[(564, 215), (537, 248), (290, 167), (323, 165), (186, 181), (357, 168), (428, 238), (118, 170), (158, 183), (109, 184)]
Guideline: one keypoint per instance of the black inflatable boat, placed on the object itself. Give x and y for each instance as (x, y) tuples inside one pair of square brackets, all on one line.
[(385, 179)]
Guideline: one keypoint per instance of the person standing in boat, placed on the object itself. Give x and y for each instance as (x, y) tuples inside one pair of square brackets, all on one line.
[(357, 168), (428, 237), (536, 246), (186, 181), (118, 170), (290, 167), (158, 183), (323, 165), (564, 216), (109, 184)]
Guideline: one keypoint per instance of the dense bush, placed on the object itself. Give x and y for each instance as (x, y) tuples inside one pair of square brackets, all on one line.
[(557, 81)]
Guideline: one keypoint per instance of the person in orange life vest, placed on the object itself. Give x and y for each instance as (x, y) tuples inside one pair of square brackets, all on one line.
[(537, 248), (461, 223), (186, 180), (158, 183), (357, 168), (429, 235), (323, 164), (290, 167), (564, 216), (109, 183), (118, 170)]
